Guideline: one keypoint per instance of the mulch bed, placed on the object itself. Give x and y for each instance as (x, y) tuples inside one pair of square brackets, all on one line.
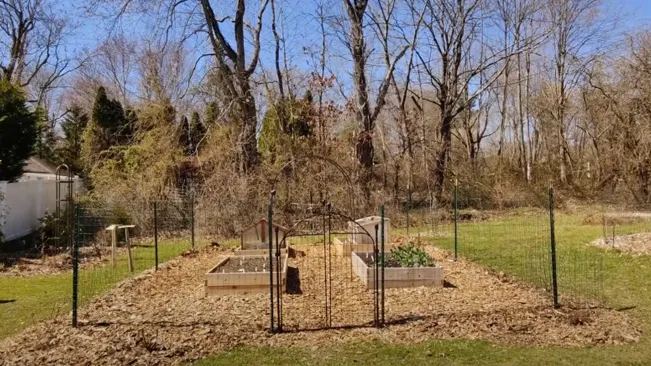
[(635, 244), (164, 318), (23, 266)]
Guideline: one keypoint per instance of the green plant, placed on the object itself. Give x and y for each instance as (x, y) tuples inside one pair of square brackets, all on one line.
[(407, 255), (17, 131)]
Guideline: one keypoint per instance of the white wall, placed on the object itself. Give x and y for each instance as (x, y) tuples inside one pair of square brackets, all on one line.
[(25, 202)]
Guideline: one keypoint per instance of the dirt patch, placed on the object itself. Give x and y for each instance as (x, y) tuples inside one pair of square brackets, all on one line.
[(245, 265), (164, 318), (20, 265), (635, 244)]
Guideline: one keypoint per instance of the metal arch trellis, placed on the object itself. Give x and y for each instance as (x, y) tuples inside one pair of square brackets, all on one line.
[(325, 159), (326, 214)]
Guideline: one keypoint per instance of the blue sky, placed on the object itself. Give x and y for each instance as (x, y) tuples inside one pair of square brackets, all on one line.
[(302, 28)]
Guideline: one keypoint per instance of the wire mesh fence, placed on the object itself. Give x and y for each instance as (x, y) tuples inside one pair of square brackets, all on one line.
[(515, 241), (119, 239)]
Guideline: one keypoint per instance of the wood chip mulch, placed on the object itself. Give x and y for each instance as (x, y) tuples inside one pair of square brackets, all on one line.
[(164, 318), (635, 244)]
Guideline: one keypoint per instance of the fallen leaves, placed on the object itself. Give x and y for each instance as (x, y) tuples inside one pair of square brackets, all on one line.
[(163, 318)]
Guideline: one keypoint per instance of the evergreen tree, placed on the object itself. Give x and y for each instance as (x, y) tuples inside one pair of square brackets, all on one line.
[(45, 146), (184, 136), (197, 133), (212, 114), (108, 115), (18, 132), (73, 127)]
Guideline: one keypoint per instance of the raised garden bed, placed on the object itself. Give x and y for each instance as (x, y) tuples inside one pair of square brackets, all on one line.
[(244, 275), (345, 247), (253, 252), (261, 245), (395, 277)]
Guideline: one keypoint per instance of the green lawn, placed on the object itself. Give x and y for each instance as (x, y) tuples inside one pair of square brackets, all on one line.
[(501, 244), (26, 300)]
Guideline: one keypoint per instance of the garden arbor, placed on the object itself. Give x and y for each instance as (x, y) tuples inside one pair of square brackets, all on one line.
[(315, 199)]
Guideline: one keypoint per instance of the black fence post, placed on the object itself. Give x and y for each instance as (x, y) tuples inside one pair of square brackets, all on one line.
[(382, 238), (156, 234), (192, 217), (408, 209), (376, 278), (271, 261), (553, 247), (456, 219), (75, 264)]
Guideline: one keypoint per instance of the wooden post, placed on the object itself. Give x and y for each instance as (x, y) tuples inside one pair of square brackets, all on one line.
[(128, 242), (114, 240)]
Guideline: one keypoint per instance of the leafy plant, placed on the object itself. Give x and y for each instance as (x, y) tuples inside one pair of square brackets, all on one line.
[(407, 255)]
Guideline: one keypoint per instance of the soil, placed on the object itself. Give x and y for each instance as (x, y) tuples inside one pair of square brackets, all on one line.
[(164, 318), (246, 265), (635, 244)]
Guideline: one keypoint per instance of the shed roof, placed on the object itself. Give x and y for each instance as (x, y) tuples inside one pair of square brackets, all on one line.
[(37, 165)]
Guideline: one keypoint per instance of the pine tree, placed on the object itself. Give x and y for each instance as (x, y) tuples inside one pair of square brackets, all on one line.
[(197, 133), (73, 127), (45, 146), (18, 132), (108, 115)]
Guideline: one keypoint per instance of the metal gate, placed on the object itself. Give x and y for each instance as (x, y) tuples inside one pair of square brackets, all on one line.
[(315, 287)]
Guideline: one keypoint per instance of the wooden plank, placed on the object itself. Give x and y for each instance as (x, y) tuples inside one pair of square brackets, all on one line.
[(237, 290), (257, 252), (114, 244), (398, 277), (217, 283)]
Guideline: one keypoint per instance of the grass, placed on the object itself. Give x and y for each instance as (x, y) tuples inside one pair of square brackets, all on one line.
[(26, 300), (501, 244)]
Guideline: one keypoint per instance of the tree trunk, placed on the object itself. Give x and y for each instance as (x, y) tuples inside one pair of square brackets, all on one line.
[(444, 152)]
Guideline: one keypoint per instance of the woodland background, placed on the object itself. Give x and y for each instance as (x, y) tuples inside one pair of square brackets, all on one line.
[(507, 97)]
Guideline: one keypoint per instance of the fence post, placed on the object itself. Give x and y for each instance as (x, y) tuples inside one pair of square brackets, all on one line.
[(382, 238), (553, 247), (271, 261), (74, 233), (192, 217), (456, 218), (408, 209), (156, 234), (375, 280)]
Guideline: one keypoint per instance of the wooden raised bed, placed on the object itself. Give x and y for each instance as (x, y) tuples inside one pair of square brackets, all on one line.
[(397, 277), (261, 245), (344, 248), (218, 282), (256, 252)]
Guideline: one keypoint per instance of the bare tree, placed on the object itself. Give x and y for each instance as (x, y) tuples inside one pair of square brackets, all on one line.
[(451, 29), (32, 39), (365, 115), (575, 30)]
